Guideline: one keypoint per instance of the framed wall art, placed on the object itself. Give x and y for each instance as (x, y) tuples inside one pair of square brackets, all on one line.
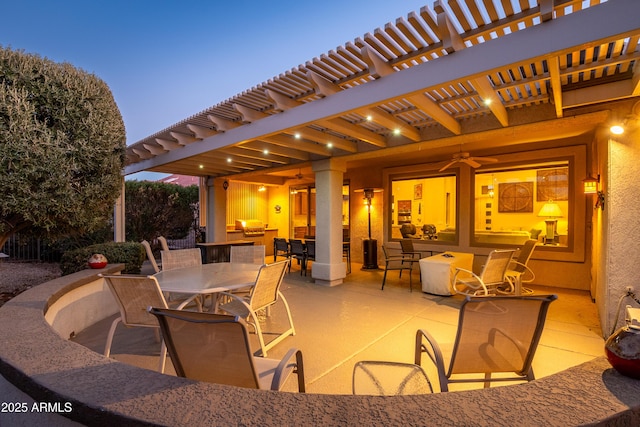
[(552, 184), (515, 197)]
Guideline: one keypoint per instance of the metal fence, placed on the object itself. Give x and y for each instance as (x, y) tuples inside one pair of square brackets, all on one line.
[(17, 248)]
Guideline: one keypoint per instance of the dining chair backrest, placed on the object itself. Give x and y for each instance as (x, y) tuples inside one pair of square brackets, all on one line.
[(134, 294), (311, 249), (181, 258), (520, 266), (297, 247), (265, 291), (150, 256), (406, 245), (495, 267), (163, 243), (208, 347), (499, 333), (248, 254)]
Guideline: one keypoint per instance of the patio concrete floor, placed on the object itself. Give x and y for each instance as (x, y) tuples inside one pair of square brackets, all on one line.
[(338, 326)]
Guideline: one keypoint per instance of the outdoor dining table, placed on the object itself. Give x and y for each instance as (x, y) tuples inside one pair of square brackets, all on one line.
[(207, 279)]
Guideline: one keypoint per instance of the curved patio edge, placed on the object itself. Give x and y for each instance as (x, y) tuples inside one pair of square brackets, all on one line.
[(54, 380)]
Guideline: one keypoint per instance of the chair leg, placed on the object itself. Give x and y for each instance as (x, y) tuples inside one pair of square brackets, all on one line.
[(112, 330), (384, 278), (163, 357)]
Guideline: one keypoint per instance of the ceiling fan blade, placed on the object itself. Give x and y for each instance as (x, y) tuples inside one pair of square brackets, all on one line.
[(448, 165), (485, 159), (471, 162)]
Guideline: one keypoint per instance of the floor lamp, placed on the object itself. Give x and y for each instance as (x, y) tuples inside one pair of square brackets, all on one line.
[(552, 212)]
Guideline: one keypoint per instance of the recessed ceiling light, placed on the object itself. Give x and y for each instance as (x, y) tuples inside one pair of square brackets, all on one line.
[(396, 131), (297, 136), (201, 166), (228, 159), (329, 144), (265, 151), (616, 130)]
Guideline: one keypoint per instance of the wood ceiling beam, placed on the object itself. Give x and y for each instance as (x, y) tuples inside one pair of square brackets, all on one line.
[(168, 144), (287, 141), (222, 124), (491, 99), (324, 138), (436, 112), (201, 132), (255, 155), (553, 64), (277, 150)]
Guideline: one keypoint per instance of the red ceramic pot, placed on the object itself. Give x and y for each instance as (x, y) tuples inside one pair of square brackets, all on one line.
[(623, 351), (97, 261)]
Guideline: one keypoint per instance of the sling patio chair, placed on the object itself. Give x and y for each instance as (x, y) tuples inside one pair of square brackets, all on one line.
[(215, 348), (264, 294), (134, 294), (253, 254), (519, 271), (150, 256), (492, 276), (381, 378), (496, 334), (182, 258)]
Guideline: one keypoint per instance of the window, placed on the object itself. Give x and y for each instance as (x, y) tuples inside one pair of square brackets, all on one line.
[(527, 202), (424, 208)]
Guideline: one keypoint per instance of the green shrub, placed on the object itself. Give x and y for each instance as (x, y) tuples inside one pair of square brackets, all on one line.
[(129, 253)]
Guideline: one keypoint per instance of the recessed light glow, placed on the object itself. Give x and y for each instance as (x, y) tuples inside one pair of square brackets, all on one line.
[(487, 101), (329, 144), (201, 166), (396, 131), (369, 118), (228, 159), (616, 130), (265, 151), (297, 136)]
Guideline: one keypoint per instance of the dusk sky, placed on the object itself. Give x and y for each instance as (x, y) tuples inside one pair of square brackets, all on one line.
[(167, 60)]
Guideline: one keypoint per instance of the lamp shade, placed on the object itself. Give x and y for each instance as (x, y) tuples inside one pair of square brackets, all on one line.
[(550, 210)]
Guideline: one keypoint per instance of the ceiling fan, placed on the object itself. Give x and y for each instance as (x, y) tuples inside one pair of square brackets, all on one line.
[(465, 157)]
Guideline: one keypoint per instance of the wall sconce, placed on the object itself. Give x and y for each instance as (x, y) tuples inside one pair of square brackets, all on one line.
[(262, 188), (590, 184), (552, 212)]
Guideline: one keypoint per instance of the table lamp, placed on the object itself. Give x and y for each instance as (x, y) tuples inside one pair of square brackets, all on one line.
[(552, 212)]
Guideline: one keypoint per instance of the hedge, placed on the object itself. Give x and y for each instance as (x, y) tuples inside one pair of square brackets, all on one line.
[(131, 254)]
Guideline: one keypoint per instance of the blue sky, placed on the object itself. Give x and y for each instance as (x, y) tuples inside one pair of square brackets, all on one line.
[(167, 60)]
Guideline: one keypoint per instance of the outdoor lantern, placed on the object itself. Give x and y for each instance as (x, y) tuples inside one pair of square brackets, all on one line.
[(590, 185)]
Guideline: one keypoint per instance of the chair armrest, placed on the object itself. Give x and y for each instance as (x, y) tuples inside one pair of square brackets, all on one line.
[(292, 361), (434, 353), (527, 270)]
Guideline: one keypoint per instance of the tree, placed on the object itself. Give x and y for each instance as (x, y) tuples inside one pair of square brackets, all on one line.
[(62, 145), (155, 209)]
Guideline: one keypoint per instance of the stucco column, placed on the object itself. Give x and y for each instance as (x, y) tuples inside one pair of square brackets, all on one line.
[(216, 212), (329, 269)]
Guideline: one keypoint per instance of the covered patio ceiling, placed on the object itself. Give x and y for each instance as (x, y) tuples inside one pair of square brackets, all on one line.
[(463, 75)]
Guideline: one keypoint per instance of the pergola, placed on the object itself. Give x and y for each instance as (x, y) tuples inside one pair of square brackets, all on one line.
[(483, 76), (425, 84)]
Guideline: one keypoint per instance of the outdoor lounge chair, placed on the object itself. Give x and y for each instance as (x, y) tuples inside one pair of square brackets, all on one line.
[(496, 334), (215, 348), (134, 294), (264, 293), (493, 275)]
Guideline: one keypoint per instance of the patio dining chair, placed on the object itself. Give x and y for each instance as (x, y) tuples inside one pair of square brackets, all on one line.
[(215, 348), (298, 252), (496, 334), (182, 258), (492, 276), (163, 243), (519, 271), (280, 248), (398, 262), (310, 255), (264, 294), (150, 256), (382, 378), (134, 294), (253, 254)]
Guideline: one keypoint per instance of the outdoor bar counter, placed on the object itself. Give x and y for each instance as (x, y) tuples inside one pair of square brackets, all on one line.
[(66, 381)]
